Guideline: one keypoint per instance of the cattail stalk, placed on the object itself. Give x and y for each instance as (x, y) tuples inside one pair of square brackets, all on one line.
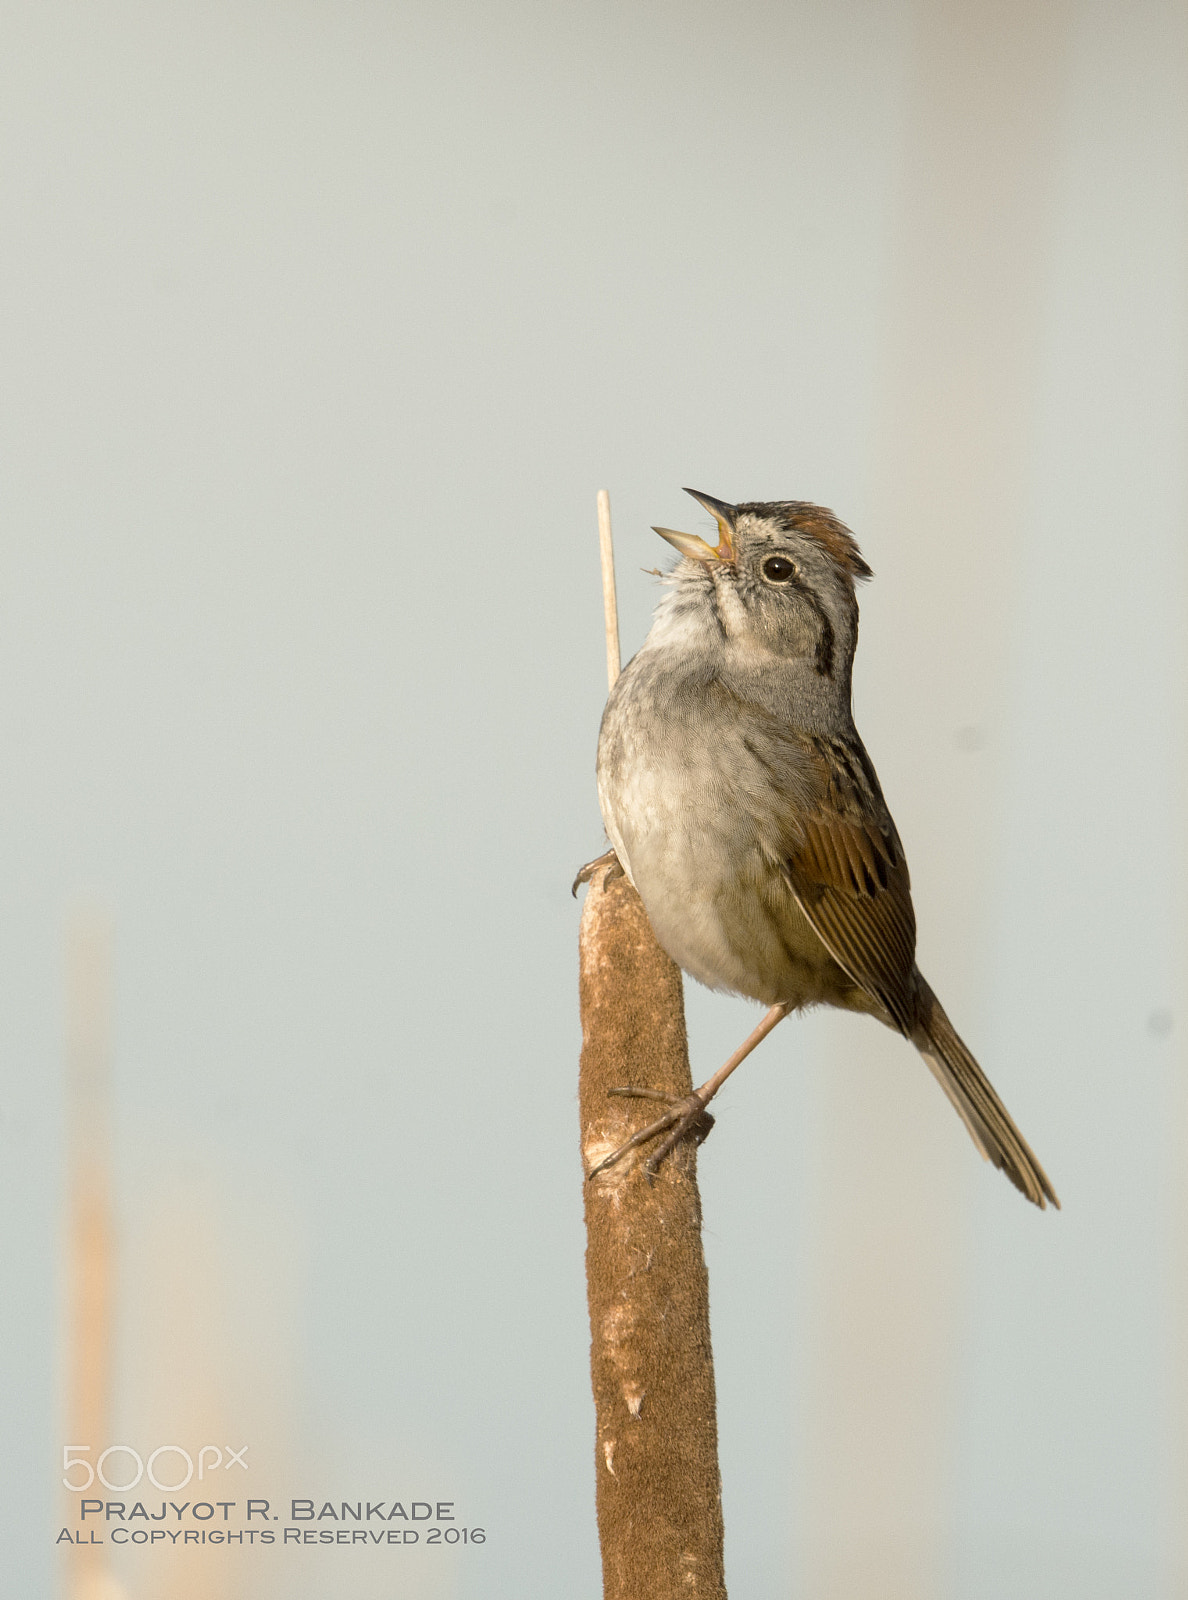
[(659, 1499)]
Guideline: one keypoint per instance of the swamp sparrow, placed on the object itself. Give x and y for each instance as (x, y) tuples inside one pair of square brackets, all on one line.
[(742, 805)]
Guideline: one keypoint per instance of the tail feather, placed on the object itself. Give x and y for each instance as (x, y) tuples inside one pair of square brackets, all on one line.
[(973, 1097)]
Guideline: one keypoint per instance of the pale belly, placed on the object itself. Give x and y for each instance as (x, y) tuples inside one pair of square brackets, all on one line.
[(719, 905)]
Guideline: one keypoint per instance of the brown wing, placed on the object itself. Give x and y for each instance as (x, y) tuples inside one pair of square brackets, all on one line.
[(850, 879)]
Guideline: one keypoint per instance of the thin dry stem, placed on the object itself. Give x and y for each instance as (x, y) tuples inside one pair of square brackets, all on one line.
[(610, 604)]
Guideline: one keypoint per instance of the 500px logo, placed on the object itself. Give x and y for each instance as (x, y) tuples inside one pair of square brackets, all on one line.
[(167, 1462)]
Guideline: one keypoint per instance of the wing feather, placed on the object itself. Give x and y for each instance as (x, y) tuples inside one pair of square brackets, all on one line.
[(816, 804), (849, 876)]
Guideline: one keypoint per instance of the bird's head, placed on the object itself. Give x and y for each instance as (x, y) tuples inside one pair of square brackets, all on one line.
[(780, 580)]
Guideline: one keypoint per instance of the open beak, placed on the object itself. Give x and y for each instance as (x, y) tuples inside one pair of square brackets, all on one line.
[(692, 545), (689, 544)]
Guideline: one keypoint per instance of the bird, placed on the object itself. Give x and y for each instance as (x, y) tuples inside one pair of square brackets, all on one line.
[(742, 805)]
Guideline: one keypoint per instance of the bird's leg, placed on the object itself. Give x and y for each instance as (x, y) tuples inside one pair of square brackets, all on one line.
[(687, 1117), (610, 859)]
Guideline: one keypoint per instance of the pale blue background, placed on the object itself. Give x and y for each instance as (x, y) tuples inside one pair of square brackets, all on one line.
[(322, 324)]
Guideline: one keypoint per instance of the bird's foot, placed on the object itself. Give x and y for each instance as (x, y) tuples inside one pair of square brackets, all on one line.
[(610, 859), (685, 1118)]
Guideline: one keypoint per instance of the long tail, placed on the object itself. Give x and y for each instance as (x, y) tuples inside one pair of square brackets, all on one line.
[(975, 1101)]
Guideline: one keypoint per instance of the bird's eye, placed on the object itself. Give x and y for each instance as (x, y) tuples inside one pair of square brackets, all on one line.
[(779, 569)]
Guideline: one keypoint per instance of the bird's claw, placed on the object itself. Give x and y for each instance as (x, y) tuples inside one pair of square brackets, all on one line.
[(609, 859), (685, 1118)]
